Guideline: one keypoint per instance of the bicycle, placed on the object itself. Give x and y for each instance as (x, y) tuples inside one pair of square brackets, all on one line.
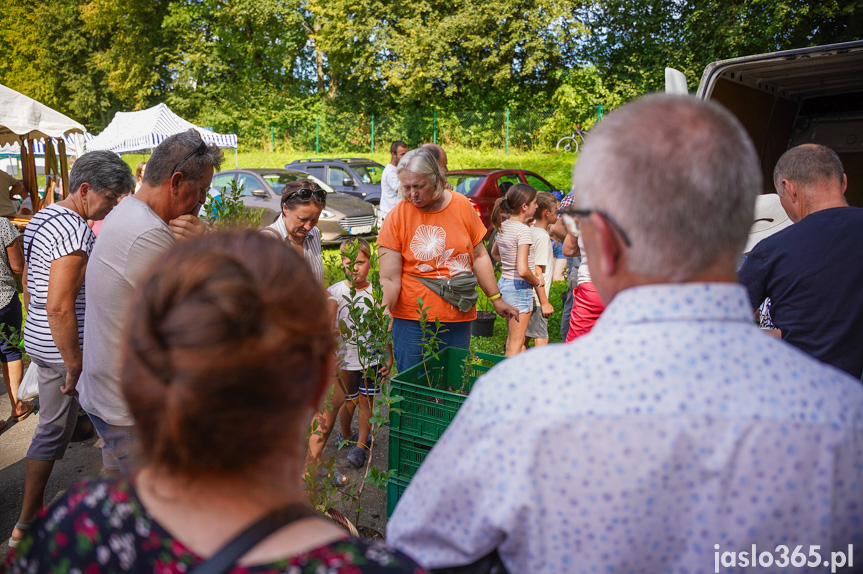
[(572, 140)]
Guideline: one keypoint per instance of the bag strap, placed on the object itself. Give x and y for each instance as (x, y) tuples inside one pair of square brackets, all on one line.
[(269, 231), (35, 231), (225, 559)]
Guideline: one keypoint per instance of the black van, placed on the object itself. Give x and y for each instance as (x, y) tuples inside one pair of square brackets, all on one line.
[(784, 99)]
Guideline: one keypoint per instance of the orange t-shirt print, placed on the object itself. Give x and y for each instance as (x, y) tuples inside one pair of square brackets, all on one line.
[(438, 245)]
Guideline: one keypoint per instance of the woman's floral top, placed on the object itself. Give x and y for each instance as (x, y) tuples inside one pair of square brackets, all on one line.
[(100, 526)]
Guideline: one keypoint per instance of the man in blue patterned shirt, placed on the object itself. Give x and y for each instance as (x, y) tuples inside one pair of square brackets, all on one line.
[(673, 437)]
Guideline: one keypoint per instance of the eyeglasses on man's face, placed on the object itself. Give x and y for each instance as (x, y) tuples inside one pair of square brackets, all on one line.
[(571, 219)]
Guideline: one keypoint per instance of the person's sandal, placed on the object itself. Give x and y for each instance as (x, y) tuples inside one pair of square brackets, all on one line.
[(14, 542), (340, 439), (28, 410)]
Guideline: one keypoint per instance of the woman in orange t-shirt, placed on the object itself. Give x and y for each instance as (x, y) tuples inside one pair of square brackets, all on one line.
[(433, 233)]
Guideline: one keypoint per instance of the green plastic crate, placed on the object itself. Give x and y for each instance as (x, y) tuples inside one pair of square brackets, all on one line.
[(395, 488), (431, 403), (406, 454)]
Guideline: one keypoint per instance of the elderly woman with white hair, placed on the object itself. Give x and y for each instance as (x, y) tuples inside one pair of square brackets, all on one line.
[(431, 248)]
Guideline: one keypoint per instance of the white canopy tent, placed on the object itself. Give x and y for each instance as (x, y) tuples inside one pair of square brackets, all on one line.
[(145, 129), (21, 116), (72, 141), (22, 120)]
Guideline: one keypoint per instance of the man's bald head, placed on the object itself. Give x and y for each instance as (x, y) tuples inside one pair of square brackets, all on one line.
[(439, 154)]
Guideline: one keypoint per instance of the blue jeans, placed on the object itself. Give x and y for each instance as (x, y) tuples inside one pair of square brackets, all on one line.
[(408, 339)]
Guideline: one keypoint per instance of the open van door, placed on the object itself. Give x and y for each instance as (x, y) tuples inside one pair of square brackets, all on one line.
[(784, 99), (675, 82)]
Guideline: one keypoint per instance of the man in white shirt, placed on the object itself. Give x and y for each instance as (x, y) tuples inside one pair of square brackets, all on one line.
[(390, 179), (675, 436), (140, 229)]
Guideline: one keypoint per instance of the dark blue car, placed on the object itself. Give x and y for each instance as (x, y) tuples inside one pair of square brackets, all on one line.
[(355, 176)]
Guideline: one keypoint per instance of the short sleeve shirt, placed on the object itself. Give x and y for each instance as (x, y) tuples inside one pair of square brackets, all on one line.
[(341, 292), (389, 189), (433, 245), (132, 238), (311, 246), (8, 289), (52, 233), (514, 234), (100, 525), (812, 273), (544, 256), (7, 207)]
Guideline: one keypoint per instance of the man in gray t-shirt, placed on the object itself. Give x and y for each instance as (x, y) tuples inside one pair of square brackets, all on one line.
[(140, 229)]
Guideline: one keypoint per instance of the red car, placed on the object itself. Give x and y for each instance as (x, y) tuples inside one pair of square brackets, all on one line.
[(484, 186)]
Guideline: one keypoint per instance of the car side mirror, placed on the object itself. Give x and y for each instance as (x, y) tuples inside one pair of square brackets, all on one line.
[(348, 182), (259, 193)]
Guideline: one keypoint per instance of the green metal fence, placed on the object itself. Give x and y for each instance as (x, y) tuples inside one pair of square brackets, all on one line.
[(505, 130)]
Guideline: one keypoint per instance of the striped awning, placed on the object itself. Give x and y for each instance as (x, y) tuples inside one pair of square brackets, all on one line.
[(146, 129)]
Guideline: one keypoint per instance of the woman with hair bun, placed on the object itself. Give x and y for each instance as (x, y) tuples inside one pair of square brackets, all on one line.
[(227, 356)]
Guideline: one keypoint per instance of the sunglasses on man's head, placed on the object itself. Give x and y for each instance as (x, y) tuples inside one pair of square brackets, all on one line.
[(200, 150), (306, 194)]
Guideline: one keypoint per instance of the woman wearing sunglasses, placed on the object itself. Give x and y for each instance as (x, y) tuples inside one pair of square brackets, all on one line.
[(302, 203)]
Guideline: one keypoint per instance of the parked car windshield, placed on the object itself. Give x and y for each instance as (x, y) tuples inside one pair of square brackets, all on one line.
[(369, 173), (278, 179), (466, 185)]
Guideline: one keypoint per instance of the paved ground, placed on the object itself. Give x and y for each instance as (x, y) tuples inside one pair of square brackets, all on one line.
[(84, 459)]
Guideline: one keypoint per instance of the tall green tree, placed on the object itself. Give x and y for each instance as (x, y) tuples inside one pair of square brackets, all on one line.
[(452, 53), (233, 58), (48, 55), (132, 50), (632, 41)]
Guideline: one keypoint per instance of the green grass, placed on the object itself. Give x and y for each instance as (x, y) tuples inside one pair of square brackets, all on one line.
[(495, 344), (555, 167)]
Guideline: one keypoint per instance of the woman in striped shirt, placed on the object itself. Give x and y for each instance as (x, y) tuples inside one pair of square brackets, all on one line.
[(57, 245)]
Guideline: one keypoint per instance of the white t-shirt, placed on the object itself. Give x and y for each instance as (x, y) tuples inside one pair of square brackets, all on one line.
[(349, 357), (53, 233), (389, 190), (543, 253), (583, 271), (132, 237), (512, 234)]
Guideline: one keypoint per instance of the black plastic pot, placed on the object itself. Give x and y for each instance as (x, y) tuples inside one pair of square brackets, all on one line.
[(483, 325)]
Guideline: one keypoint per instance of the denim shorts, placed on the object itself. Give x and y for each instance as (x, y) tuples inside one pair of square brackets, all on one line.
[(517, 292)]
